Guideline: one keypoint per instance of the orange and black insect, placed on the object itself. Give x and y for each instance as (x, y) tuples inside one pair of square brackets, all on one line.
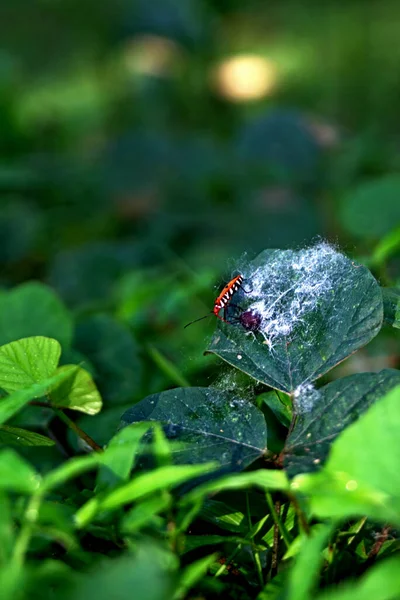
[(223, 300)]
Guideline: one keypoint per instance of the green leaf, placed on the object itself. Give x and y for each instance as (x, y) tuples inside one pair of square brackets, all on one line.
[(328, 411), (391, 306), (112, 350), (7, 531), (119, 457), (140, 486), (223, 516), (361, 476), (381, 582), (28, 361), (33, 309), (213, 425), (145, 512), (372, 208), (16, 475), (15, 436), (263, 479), (192, 574), (315, 307), (279, 407), (385, 248), (70, 469), (77, 392), (303, 575), (145, 575), (14, 402)]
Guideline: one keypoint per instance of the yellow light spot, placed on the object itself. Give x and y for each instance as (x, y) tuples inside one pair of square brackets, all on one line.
[(351, 485), (245, 77)]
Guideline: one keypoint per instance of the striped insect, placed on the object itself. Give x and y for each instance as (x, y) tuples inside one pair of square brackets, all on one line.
[(223, 299)]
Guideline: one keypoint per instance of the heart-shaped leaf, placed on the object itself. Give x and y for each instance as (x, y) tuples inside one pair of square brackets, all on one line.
[(11, 404), (78, 392), (212, 425), (328, 411), (301, 313), (28, 361)]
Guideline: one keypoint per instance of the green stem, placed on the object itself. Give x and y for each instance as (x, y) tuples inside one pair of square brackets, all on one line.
[(256, 554), (82, 434), (278, 521), (25, 534)]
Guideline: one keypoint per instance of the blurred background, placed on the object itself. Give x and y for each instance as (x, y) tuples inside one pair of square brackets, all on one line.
[(147, 148)]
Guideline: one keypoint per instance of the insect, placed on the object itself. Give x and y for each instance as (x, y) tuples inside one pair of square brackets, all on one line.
[(223, 300)]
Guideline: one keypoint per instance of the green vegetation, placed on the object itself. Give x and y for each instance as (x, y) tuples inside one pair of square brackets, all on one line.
[(149, 153)]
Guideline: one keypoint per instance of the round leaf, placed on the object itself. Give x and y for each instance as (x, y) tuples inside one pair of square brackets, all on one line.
[(373, 208), (34, 309), (212, 425), (114, 353), (28, 361), (315, 307)]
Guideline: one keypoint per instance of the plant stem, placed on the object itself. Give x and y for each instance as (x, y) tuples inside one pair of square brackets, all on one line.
[(300, 515), (277, 520), (256, 555), (82, 434)]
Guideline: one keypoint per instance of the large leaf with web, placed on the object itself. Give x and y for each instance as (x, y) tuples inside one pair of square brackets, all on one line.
[(315, 307), (210, 425), (334, 407)]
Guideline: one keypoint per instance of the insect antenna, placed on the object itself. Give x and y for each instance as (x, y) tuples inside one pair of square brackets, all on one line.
[(201, 318)]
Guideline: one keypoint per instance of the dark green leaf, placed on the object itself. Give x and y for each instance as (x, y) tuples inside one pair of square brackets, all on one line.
[(77, 392), (15, 436), (33, 309), (373, 208), (280, 407), (324, 413), (28, 361), (361, 476), (213, 425), (391, 306), (316, 307), (114, 353), (224, 516)]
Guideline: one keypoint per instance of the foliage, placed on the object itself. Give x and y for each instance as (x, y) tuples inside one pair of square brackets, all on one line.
[(251, 458), (167, 502)]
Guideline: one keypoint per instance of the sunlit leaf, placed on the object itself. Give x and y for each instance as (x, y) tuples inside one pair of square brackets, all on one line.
[(28, 361), (77, 392)]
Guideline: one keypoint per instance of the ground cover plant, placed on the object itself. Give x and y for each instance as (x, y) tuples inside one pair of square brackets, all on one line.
[(267, 484)]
